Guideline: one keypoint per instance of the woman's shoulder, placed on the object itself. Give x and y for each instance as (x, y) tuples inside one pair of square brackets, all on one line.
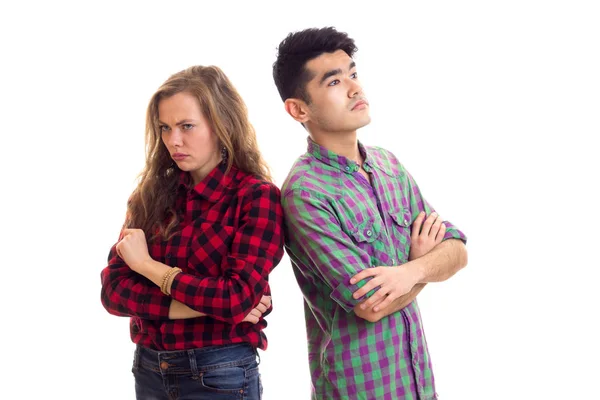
[(247, 183)]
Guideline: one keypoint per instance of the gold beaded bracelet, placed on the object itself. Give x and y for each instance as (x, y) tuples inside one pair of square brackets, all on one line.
[(170, 281), (166, 279), (162, 281)]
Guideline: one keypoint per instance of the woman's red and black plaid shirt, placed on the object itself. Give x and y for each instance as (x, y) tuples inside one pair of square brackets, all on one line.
[(229, 239)]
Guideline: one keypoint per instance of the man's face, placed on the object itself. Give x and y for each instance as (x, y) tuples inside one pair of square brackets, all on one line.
[(337, 102)]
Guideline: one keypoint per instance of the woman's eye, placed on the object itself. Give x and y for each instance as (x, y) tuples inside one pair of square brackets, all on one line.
[(187, 127)]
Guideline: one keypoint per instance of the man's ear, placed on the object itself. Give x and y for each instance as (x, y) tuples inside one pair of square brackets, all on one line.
[(297, 109)]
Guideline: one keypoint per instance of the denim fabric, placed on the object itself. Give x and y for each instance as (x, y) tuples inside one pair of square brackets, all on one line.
[(217, 373)]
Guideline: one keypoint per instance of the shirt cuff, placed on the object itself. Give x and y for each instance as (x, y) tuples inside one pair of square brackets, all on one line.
[(453, 233), (342, 295)]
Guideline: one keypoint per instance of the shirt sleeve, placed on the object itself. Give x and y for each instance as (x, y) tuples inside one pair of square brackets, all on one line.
[(418, 204), (126, 293), (257, 247), (317, 241)]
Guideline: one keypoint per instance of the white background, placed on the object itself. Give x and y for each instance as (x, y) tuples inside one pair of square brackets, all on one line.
[(492, 106)]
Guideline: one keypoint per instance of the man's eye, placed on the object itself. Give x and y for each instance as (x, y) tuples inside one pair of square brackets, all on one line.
[(333, 82), (354, 75)]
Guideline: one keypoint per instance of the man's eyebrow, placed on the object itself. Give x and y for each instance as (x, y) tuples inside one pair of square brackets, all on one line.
[(329, 74), (334, 72)]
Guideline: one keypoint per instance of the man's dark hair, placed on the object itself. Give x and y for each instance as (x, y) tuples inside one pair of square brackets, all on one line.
[(298, 48)]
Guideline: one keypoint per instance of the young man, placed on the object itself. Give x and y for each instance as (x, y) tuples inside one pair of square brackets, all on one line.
[(357, 255)]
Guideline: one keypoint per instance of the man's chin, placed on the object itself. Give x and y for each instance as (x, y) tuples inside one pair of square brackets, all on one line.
[(356, 126), (364, 122)]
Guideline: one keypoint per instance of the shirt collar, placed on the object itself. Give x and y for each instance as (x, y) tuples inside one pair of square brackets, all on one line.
[(213, 186), (345, 164)]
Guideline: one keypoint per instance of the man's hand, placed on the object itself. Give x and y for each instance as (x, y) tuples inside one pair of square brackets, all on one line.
[(397, 305), (133, 248), (425, 239), (393, 282), (397, 281), (259, 310)]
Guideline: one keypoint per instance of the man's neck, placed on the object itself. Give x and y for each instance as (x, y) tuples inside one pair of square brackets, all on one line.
[(345, 144)]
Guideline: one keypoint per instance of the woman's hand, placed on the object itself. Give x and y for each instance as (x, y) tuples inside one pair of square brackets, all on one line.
[(133, 249), (259, 310)]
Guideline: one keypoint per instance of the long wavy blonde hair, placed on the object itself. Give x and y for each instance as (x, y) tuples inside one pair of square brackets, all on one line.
[(151, 206)]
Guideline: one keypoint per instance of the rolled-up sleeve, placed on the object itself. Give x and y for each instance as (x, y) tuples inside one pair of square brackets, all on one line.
[(126, 293), (316, 240)]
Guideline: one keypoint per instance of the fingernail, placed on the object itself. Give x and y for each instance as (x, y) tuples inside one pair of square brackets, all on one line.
[(352, 281)]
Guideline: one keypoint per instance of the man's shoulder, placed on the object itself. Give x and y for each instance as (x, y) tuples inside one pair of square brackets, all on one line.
[(384, 159), (310, 175)]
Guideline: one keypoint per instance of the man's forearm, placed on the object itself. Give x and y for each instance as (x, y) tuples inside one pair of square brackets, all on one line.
[(395, 306), (402, 301), (446, 259)]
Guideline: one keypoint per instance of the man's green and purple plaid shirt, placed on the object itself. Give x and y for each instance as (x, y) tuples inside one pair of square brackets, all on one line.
[(337, 224)]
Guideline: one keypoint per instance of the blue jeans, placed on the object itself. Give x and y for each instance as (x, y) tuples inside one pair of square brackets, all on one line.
[(217, 373)]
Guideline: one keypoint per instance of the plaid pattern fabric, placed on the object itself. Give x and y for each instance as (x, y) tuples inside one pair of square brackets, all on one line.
[(229, 239), (338, 224)]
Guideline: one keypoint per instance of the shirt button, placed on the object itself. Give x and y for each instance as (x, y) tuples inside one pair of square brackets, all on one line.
[(405, 222), (168, 256), (394, 261), (369, 233), (347, 168)]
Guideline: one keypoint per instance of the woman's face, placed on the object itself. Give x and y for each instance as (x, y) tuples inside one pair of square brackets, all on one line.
[(188, 136)]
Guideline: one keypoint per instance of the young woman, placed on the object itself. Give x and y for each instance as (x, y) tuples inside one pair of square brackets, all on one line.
[(203, 231)]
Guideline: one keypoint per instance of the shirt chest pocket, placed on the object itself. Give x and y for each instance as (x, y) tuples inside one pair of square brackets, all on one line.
[(364, 233), (401, 218), (401, 226), (371, 238), (209, 245)]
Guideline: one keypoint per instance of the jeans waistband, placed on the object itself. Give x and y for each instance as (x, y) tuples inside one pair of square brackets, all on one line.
[(195, 360)]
